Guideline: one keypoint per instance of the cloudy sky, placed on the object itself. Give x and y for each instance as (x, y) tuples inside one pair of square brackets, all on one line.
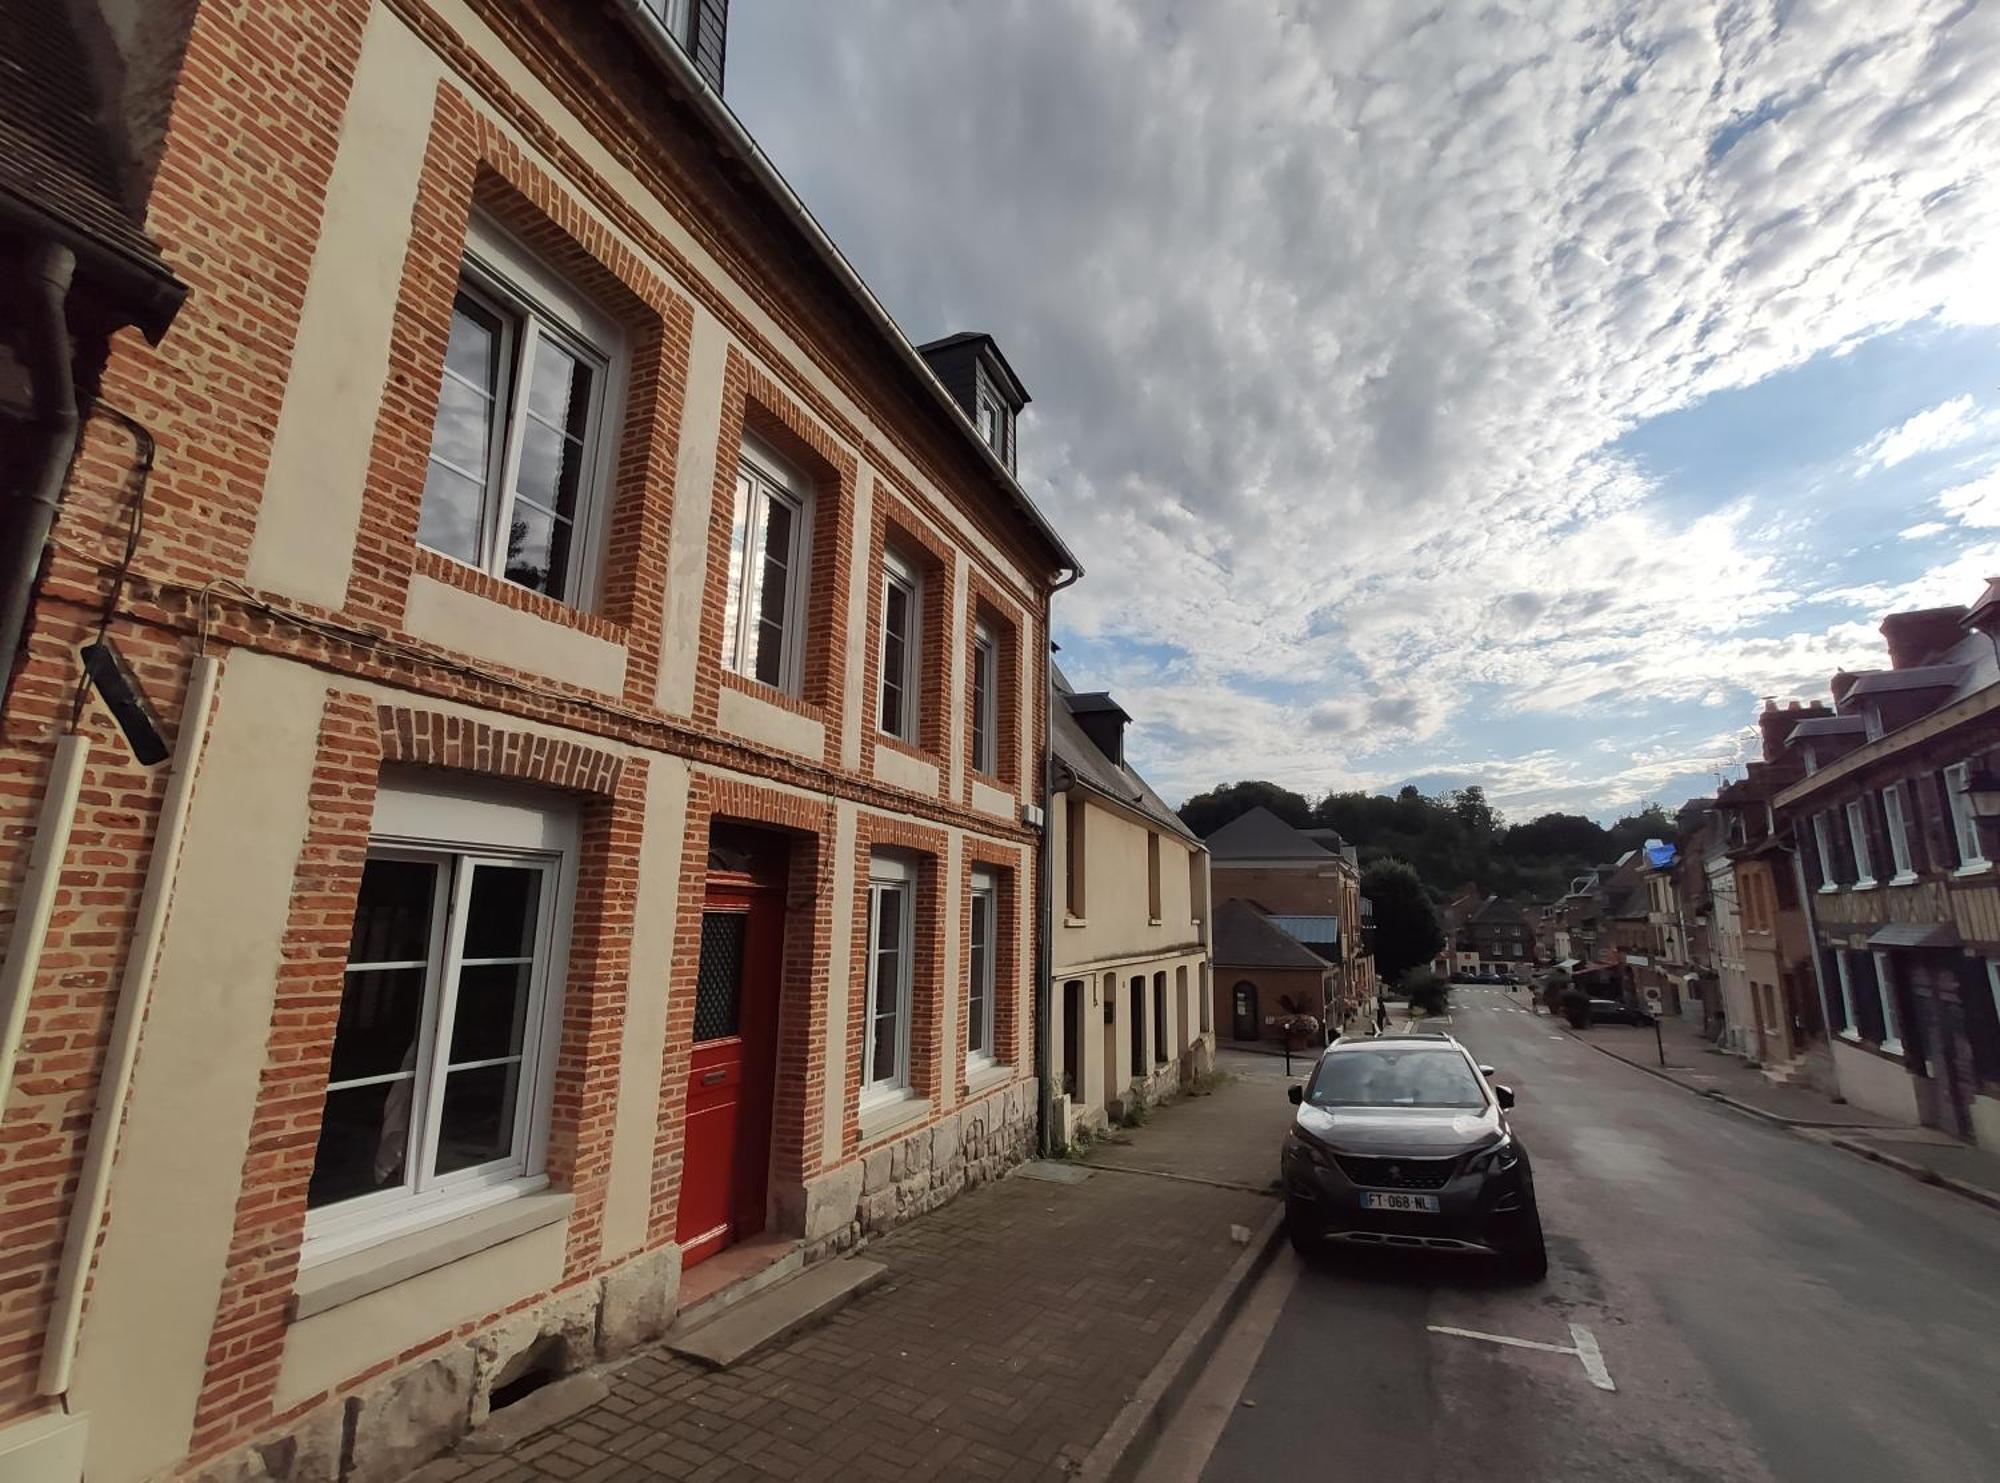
[(1496, 392)]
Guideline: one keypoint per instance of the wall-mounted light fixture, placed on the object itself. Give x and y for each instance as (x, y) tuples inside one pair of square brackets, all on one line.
[(125, 698)]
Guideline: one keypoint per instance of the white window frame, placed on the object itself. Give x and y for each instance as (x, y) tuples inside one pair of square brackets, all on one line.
[(900, 574), (985, 702), (1965, 824), (1899, 835), (677, 16), (992, 423), (1852, 1029), (462, 828), (1885, 991), (1829, 879), (1857, 838), (762, 479), (981, 973), (886, 874), (533, 304)]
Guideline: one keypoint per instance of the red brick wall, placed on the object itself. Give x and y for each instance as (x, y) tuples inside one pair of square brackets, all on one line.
[(1276, 890), (1302, 984)]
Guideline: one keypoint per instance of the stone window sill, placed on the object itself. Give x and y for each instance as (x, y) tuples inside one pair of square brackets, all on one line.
[(359, 1273), (1069, 921), (885, 1117), (982, 1077), (1978, 867)]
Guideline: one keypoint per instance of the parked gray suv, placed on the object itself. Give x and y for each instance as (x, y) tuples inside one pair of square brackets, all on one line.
[(1403, 1141)]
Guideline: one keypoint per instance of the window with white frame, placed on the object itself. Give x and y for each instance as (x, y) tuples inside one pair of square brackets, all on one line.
[(985, 702), (443, 1055), (902, 617), (1899, 832), (1823, 839), (1846, 977), (892, 902), (979, 986), (764, 618), (1857, 834), (1885, 989), (677, 16), (992, 422), (521, 453), (1964, 823)]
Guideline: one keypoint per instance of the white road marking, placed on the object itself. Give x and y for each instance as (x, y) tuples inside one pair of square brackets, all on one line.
[(1592, 1357), (1585, 1348)]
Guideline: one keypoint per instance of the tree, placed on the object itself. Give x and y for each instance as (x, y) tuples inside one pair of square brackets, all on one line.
[(1478, 817), (1207, 812), (1408, 931), (1651, 822), (1569, 837)]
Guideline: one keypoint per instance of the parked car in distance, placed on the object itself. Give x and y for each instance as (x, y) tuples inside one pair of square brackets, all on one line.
[(1615, 1012), (1403, 1141)]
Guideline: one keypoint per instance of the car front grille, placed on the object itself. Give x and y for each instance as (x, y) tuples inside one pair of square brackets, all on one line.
[(1397, 1173)]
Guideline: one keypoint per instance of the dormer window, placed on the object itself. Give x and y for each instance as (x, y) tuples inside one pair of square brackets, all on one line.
[(993, 423), (975, 373), (675, 16)]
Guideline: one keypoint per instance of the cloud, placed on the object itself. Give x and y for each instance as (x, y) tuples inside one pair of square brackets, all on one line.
[(1334, 314), (1923, 530), (1976, 503), (1935, 428)]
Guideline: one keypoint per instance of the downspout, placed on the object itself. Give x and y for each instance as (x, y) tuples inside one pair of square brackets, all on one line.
[(45, 345), (134, 992), (1047, 1141), (1812, 945)]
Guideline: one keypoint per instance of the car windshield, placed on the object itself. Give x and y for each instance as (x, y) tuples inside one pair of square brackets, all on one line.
[(1396, 1076)]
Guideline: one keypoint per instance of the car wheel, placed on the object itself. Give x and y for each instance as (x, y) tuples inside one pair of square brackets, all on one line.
[(1524, 1256), (1303, 1231)]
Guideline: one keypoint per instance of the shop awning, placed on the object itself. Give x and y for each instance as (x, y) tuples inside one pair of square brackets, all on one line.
[(1917, 935)]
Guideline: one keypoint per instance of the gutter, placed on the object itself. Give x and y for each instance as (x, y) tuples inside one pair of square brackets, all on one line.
[(659, 42), (1974, 707)]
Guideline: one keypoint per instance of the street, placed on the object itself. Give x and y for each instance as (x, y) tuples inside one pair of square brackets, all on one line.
[(1766, 1307)]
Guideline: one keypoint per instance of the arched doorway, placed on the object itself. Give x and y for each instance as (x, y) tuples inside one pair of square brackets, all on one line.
[(1244, 1022)]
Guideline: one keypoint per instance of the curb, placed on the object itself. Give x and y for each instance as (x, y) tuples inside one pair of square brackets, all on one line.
[(1919, 1172), (1137, 1424)]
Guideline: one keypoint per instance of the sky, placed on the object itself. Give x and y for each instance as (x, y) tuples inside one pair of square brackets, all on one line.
[(1504, 393)]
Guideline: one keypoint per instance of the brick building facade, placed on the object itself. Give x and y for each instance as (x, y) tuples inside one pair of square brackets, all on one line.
[(605, 672)]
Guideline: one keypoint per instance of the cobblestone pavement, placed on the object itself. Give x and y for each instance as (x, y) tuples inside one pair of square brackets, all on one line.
[(1014, 1324)]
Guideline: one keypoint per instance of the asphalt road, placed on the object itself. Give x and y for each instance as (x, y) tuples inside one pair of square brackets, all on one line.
[(1766, 1307)]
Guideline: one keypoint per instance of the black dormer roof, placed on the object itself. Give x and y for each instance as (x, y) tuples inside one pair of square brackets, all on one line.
[(976, 346)]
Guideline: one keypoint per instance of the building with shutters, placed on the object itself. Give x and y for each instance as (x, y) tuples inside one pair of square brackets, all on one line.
[(1129, 949), (601, 666), (1889, 821)]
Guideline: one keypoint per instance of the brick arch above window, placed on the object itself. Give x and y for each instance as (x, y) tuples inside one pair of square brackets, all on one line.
[(470, 164), (439, 739)]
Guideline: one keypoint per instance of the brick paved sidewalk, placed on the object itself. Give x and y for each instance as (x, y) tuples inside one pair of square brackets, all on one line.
[(1013, 1325)]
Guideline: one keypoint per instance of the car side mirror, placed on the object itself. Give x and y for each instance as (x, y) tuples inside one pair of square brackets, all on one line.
[(1296, 1095), (1487, 1072), (1504, 1096)]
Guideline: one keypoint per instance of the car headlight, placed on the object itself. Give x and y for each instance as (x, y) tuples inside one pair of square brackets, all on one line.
[(1494, 1157), (1299, 1146)]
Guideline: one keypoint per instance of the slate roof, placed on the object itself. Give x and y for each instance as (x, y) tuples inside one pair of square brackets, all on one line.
[(58, 172), (990, 346), (1077, 752), (1922, 677), (1246, 938), (1494, 909), (1314, 931), (1262, 835), (1828, 726)]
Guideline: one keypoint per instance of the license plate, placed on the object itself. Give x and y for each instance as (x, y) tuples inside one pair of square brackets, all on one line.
[(1376, 1199)]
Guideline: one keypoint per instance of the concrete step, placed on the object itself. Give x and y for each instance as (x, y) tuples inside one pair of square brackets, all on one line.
[(735, 1275), (751, 1324)]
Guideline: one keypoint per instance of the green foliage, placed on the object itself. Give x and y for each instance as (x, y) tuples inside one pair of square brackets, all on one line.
[(1408, 930), (1427, 991), (1207, 812)]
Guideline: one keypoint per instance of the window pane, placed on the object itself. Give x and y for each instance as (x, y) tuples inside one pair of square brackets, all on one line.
[(774, 583), (982, 689), (739, 545), (560, 392), (501, 912), (889, 971), (381, 1016), (895, 655), (364, 1137), (717, 997), (981, 968), (461, 436), (473, 350), (551, 468), (477, 1125), (492, 1014), (538, 549), (449, 518), (392, 916)]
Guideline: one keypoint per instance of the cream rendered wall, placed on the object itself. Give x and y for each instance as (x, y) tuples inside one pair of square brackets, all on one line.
[(900, 770), (770, 725), (840, 970), (687, 538), (642, 1047), (326, 428), (180, 1162), (340, 1343), (1986, 1122), (477, 625), (1875, 1082), (1117, 925)]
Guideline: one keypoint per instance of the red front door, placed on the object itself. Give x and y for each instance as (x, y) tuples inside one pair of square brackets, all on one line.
[(726, 1167)]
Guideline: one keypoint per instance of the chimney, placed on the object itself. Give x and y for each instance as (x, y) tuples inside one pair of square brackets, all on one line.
[(1776, 724), (1914, 637), (982, 383), (1841, 683)]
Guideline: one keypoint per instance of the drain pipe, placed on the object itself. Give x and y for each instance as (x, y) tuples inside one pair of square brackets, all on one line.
[(134, 992), (48, 270), (1046, 1139)]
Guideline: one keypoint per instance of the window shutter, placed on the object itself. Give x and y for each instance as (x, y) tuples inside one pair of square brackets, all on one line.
[(1913, 824), (1940, 840), (1867, 997), (1843, 847), (1836, 1018), (1880, 857), (1807, 844)]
